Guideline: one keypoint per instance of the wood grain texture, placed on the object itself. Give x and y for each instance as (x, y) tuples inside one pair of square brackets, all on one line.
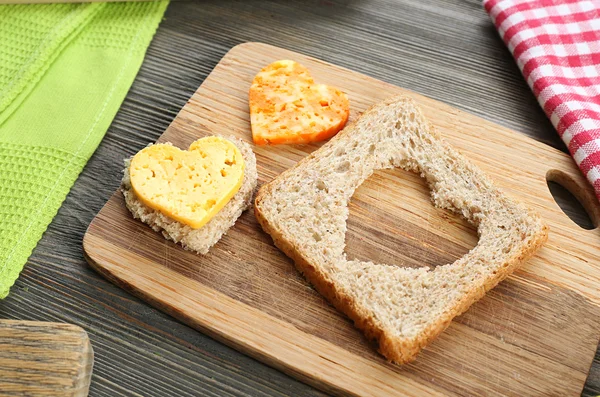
[(246, 293), (44, 359), (447, 50)]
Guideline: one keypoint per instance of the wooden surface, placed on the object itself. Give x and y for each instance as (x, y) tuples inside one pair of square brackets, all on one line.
[(44, 359), (447, 50), (246, 293)]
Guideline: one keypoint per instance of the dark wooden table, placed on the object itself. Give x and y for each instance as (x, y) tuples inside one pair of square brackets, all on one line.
[(447, 50)]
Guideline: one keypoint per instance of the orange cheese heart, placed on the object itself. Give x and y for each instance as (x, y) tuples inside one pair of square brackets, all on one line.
[(286, 106), (189, 186)]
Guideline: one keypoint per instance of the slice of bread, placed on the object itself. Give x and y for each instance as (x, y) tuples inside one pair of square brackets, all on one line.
[(199, 240), (305, 211)]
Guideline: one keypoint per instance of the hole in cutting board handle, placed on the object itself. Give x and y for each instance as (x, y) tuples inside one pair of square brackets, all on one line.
[(578, 203)]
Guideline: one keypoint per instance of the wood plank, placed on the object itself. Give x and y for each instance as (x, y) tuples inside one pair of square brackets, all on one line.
[(247, 294), (44, 359)]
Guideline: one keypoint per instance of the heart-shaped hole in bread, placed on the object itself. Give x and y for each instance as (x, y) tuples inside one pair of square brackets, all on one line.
[(287, 107), (189, 186), (391, 220)]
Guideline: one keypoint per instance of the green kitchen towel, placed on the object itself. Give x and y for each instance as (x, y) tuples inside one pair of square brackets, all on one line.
[(64, 71)]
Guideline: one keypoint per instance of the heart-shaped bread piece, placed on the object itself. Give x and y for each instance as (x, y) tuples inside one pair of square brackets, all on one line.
[(188, 186), (287, 107)]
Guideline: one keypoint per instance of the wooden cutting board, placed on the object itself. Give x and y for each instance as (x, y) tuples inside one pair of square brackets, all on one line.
[(535, 334), (44, 359)]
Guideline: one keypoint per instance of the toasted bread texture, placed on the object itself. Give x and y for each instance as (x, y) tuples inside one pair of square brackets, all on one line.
[(305, 211), (198, 240)]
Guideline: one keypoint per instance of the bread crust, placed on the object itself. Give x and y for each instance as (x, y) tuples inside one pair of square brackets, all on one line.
[(395, 349)]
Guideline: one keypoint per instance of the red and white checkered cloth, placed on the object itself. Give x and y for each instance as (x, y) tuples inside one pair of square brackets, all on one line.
[(556, 44)]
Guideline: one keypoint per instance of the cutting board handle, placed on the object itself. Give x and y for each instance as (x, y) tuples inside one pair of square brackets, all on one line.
[(579, 187)]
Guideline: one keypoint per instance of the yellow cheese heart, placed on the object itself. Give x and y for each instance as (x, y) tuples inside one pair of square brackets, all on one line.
[(189, 186)]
